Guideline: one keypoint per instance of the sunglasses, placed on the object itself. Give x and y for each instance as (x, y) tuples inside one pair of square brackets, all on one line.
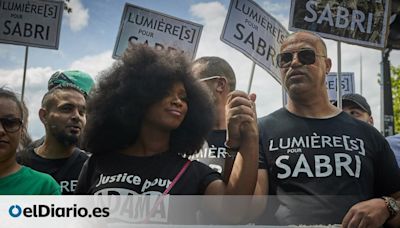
[(210, 78), (11, 124), (305, 57)]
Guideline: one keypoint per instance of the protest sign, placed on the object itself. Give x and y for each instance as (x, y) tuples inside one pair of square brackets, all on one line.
[(255, 33), (144, 26), (356, 22), (347, 84), (31, 22)]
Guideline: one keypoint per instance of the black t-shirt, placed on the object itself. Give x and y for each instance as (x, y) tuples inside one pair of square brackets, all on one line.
[(119, 174), (67, 177), (319, 168), (213, 152)]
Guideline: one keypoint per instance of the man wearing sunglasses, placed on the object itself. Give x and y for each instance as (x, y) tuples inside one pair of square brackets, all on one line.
[(324, 166), (63, 114), (219, 77)]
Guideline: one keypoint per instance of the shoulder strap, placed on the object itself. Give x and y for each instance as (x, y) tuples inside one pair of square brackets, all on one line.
[(161, 198), (177, 177), (65, 168)]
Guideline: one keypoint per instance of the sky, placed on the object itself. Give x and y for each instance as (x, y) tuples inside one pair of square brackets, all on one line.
[(88, 37)]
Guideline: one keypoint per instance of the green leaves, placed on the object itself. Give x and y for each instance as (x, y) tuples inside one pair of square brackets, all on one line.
[(395, 80)]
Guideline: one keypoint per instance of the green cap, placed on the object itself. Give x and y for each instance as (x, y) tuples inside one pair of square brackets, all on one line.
[(71, 78)]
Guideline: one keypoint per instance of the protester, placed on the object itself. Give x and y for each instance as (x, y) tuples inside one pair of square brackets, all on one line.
[(357, 106), (394, 142), (138, 131), (324, 166), (14, 178), (63, 114), (142, 127), (220, 80)]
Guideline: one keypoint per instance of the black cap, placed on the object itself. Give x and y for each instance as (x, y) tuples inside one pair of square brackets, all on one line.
[(358, 100)]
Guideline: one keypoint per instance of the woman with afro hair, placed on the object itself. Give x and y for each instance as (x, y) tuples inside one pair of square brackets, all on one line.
[(145, 113)]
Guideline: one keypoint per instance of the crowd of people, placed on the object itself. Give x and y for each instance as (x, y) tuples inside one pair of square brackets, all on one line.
[(156, 123)]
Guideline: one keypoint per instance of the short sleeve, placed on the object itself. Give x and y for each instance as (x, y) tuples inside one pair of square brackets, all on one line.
[(207, 175)]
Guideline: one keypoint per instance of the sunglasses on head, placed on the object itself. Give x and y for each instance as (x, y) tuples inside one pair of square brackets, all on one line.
[(305, 57), (210, 78), (11, 124)]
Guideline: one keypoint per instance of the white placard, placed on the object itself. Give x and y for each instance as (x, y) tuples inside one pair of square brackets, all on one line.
[(144, 26), (255, 33), (347, 84), (31, 22)]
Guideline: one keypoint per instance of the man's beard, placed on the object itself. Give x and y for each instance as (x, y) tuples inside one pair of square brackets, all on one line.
[(65, 139)]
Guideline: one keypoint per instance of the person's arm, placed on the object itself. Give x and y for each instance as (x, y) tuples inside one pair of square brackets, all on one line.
[(371, 213), (242, 134), (228, 166), (374, 212), (259, 199), (395, 221)]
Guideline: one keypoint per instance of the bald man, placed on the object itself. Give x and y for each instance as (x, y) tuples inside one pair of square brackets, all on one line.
[(324, 166)]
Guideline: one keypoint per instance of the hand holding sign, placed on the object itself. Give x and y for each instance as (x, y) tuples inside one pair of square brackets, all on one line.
[(241, 118)]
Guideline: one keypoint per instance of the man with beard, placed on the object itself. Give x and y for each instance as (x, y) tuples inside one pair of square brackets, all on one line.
[(219, 78), (63, 114)]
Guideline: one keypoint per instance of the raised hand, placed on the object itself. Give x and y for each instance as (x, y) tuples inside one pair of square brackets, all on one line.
[(241, 118)]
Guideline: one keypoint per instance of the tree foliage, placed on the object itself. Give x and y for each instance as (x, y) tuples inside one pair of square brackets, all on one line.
[(395, 80)]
